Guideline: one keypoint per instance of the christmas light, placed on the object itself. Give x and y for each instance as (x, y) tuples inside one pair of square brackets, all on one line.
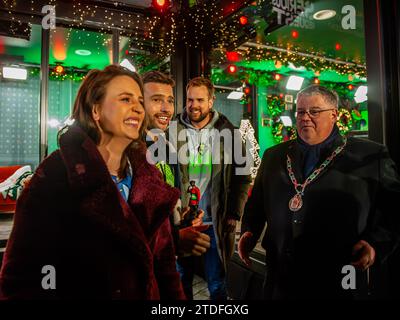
[(59, 69), (243, 20), (15, 73), (294, 83), (232, 56), (232, 68)]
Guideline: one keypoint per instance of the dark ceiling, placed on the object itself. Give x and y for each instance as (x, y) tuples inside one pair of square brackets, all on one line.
[(193, 23)]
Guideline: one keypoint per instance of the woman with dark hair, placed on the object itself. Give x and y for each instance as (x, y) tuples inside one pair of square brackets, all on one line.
[(93, 221)]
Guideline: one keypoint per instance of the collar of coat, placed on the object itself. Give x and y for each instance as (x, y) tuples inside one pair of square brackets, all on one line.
[(220, 124), (150, 201), (296, 154)]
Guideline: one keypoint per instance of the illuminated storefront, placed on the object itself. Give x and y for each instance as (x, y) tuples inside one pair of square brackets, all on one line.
[(259, 54)]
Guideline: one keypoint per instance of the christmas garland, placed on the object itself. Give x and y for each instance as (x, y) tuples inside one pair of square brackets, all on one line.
[(344, 121), (316, 64), (250, 76), (68, 74), (276, 106)]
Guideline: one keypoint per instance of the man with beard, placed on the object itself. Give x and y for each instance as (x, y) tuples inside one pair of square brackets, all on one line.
[(223, 191), (159, 106)]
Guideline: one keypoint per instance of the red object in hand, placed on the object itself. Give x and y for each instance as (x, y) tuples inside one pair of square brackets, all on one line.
[(194, 196)]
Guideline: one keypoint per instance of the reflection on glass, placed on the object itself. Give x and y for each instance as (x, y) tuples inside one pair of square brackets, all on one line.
[(72, 54), (286, 46), (19, 99)]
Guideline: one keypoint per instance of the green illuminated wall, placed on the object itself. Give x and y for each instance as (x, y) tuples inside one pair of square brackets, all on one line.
[(265, 138), (19, 122), (61, 99), (19, 118)]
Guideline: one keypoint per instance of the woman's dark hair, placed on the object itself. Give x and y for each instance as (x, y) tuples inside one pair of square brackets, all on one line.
[(93, 91)]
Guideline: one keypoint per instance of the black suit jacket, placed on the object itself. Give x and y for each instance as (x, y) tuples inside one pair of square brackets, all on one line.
[(350, 200)]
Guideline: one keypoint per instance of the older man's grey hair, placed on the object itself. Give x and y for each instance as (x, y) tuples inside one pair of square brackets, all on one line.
[(330, 96)]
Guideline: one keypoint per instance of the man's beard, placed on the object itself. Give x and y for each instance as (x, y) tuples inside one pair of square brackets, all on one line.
[(200, 118)]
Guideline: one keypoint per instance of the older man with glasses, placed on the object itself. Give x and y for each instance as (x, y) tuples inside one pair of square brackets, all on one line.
[(327, 201)]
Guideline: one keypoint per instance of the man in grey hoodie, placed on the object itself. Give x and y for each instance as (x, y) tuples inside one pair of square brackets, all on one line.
[(223, 190)]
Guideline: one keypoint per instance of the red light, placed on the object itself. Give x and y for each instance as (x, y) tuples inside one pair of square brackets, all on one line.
[(350, 87), (247, 90), (338, 46), (160, 4), (59, 69), (126, 52), (277, 77), (295, 34), (281, 95), (232, 56), (232, 68), (316, 81), (243, 20)]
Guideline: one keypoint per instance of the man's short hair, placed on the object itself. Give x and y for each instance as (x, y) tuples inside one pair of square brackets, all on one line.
[(330, 96), (200, 81), (157, 77)]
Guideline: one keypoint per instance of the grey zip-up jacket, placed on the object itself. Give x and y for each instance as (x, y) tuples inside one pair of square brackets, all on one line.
[(229, 191)]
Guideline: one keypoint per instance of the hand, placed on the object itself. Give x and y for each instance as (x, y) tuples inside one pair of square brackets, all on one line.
[(184, 212), (198, 221), (192, 241), (365, 255), (230, 225), (245, 247)]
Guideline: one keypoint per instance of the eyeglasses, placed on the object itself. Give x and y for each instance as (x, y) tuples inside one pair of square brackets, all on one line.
[(313, 113)]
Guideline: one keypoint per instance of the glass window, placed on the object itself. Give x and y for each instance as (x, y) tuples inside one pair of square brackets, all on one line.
[(282, 46), (20, 98), (136, 55), (73, 53)]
